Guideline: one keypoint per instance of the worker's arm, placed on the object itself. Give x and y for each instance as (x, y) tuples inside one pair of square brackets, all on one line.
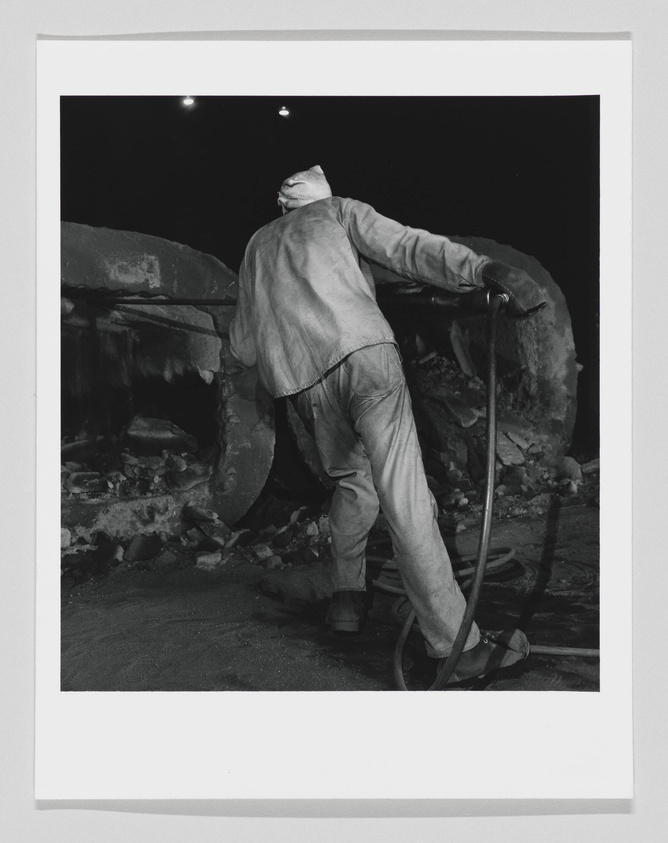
[(412, 252), (433, 259)]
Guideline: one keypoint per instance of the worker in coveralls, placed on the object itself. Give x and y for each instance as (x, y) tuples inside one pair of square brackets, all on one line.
[(307, 317)]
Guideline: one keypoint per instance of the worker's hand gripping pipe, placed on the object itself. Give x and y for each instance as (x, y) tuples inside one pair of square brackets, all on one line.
[(493, 302)]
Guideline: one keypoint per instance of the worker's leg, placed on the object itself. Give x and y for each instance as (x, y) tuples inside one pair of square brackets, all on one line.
[(354, 506), (372, 382)]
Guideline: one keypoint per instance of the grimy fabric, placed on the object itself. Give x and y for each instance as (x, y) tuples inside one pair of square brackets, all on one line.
[(306, 294), (307, 317), (361, 418)]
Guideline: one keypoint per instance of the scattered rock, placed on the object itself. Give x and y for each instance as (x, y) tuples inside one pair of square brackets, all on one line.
[(475, 397), (273, 563), (215, 536), (518, 439), (152, 436), (199, 513), (154, 464), (455, 500), (508, 452), (236, 538), (116, 555), (453, 476), (509, 422), (542, 501), (323, 525), (298, 589), (190, 477), (130, 471), (464, 415), (80, 482), (460, 346), (535, 473), (311, 529), (65, 538), (569, 469), (568, 487), (442, 457), (515, 473), (175, 462), (282, 538), (143, 547), (108, 550), (592, 466), (207, 561), (263, 551), (420, 345)]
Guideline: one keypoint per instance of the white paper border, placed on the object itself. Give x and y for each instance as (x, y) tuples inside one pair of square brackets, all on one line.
[(388, 745)]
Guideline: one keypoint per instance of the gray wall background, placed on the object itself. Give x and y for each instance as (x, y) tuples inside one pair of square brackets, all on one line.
[(646, 818)]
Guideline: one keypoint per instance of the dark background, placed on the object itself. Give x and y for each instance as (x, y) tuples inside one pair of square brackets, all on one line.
[(523, 171)]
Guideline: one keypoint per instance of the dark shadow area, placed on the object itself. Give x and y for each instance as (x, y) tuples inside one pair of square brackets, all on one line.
[(521, 170)]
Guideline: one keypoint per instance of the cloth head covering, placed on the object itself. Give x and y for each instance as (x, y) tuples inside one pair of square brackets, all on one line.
[(303, 187)]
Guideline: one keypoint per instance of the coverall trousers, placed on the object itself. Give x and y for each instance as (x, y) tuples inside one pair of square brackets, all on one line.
[(361, 417)]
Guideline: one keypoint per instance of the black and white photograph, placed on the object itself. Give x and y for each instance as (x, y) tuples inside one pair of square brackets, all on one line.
[(331, 409), (275, 456)]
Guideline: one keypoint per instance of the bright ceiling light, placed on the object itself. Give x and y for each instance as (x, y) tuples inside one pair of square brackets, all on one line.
[(188, 101), (283, 112)]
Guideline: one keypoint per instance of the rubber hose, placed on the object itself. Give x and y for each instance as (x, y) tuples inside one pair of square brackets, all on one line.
[(448, 666), (540, 650), (462, 574)]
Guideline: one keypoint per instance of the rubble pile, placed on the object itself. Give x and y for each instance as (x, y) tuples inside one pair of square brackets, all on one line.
[(284, 537), (450, 407), (151, 457), (207, 545)]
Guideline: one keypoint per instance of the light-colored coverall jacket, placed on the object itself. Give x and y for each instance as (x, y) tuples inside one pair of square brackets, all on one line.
[(306, 294)]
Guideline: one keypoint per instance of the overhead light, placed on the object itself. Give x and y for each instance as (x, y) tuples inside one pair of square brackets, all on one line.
[(284, 112), (188, 101)]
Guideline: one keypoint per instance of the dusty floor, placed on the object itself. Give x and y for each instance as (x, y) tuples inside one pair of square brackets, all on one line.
[(242, 627)]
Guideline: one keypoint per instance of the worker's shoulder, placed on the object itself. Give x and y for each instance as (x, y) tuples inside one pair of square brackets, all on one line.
[(330, 209), (337, 207)]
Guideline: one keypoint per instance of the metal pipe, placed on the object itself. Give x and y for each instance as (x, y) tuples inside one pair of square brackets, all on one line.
[(469, 303), (541, 650)]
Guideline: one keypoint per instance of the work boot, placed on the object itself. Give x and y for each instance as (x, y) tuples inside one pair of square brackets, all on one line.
[(346, 612), (494, 650)]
